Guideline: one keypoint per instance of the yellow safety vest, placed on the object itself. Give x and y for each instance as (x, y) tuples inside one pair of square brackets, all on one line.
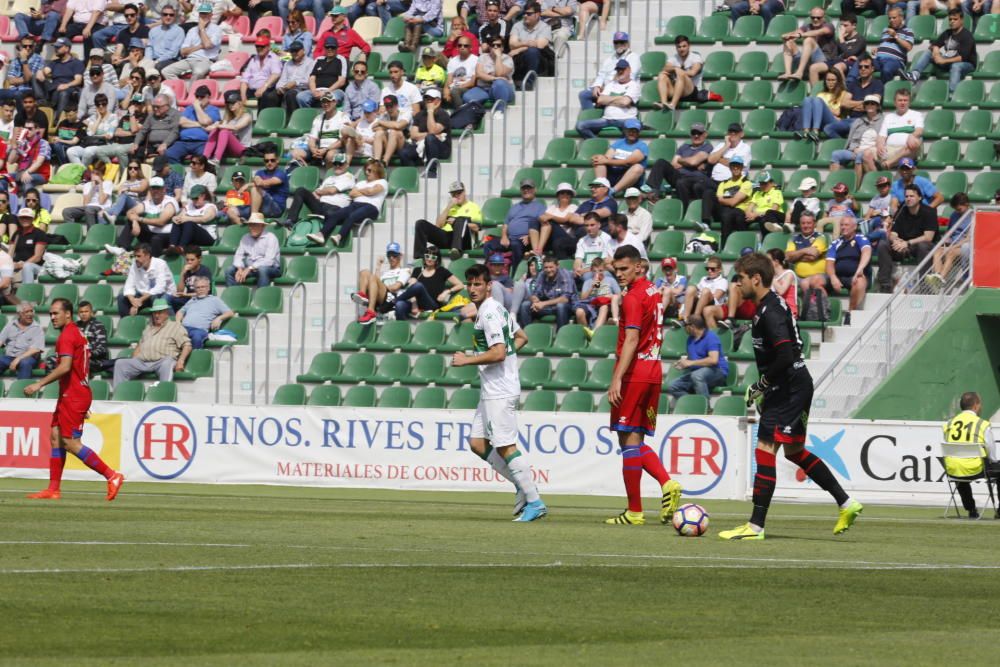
[(965, 427)]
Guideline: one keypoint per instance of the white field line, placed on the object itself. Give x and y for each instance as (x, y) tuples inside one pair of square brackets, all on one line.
[(136, 544)]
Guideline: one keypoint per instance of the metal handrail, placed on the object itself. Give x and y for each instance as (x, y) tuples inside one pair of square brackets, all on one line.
[(254, 357), (435, 164), (586, 49), (336, 311), (226, 349), (406, 216), (530, 74), (498, 108), (365, 224), (556, 110), (467, 133), (302, 332)]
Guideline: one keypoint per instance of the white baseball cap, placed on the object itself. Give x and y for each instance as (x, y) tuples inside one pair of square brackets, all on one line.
[(807, 183)]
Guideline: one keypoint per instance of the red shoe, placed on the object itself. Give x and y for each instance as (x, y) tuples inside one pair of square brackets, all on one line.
[(360, 298), (367, 318), (46, 494), (115, 485)]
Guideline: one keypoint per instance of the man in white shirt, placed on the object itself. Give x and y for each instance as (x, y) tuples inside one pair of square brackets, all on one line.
[(731, 147), (620, 235), (618, 99), (901, 132), (327, 198), (680, 79), (258, 254), (325, 140), (640, 221), (149, 278), (461, 73), (711, 290), (151, 220), (377, 288), (592, 245), (200, 48), (607, 73), (406, 93)]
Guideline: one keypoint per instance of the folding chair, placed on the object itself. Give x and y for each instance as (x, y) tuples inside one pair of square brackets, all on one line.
[(966, 450)]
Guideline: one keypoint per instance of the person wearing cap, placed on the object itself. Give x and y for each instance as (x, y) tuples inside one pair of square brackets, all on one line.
[(230, 136), (29, 112), (859, 151), (120, 32), (687, 172), (600, 202), (59, 82), (22, 69), (29, 160), (455, 224), (555, 228), (404, 91), (96, 85), (806, 201), (929, 194), (732, 146), (394, 125), (624, 163), (166, 38), (159, 131), (422, 17), (329, 75), (325, 138), (366, 196), (607, 73), (506, 292), (261, 72), (150, 220), (203, 313), (155, 87), (359, 89), (592, 245), (620, 235), (492, 24), (130, 191), (806, 252), (430, 73), (430, 286), (850, 44), (562, 11), (27, 245), (163, 348), (521, 231), (494, 76), (194, 124), (258, 255), (618, 99), (97, 196), (41, 22), (69, 132), (331, 195), (818, 45), (601, 8), (347, 38), (237, 200), (148, 279), (680, 79), (23, 341), (432, 126), (733, 200), (360, 135), (767, 204), (848, 264), (461, 73), (672, 286), (914, 229), (193, 268), (200, 48), (296, 31), (842, 204), (269, 193), (640, 220), (531, 45), (377, 289), (711, 290), (135, 59), (294, 79), (122, 135), (196, 174), (188, 226)]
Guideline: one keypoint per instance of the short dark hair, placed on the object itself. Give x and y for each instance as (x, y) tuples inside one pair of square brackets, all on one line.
[(130, 6), (756, 263), (969, 399), (778, 255), (100, 98), (695, 321), (628, 252), (84, 304), (913, 187), (477, 271), (28, 95), (192, 250), (591, 215), (850, 18), (398, 64), (955, 11), (65, 305), (144, 247), (902, 92), (865, 57), (619, 219), (550, 259), (680, 39), (533, 6), (959, 199)]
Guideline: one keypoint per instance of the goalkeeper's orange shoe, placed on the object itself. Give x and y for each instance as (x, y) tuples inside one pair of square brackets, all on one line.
[(46, 494), (115, 485)]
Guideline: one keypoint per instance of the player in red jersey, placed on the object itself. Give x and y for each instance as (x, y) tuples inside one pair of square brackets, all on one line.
[(73, 404), (635, 387)]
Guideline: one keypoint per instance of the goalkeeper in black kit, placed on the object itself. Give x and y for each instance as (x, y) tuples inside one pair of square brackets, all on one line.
[(783, 395)]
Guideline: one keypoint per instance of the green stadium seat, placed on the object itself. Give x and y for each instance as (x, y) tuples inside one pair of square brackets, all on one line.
[(987, 29), (677, 25), (603, 404), (749, 377), (269, 121), (736, 242), (394, 335), (603, 343), (101, 297), (764, 153), (924, 27), (356, 337), (304, 177), (100, 390), (230, 239), (843, 176), (745, 350), (129, 330), (426, 369), (569, 373), (395, 397), (16, 388), (754, 94), (791, 189), (989, 66), (577, 401), (951, 182), (661, 149), (721, 120), (495, 210), (752, 64), (687, 118), (650, 64), (289, 394), (427, 337), (161, 392), (978, 155), (775, 240), (357, 367), (392, 32), (599, 378), (406, 179), (667, 213), (992, 100), (748, 28), (240, 326), (50, 391), (238, 298), (430, 398), (97, 237), (464, 399), (66, 291), (539, 338), (984, 186), (729, 406), (535, 372), (569, 340), (460, 338), (457, 376), (975, 124), (392, 368), (73, 231), (200, 364), (269, 299), (542, 400), (548, 187), (939, 123), (668, 243), (360, 396), (534, 173), (825, 154), (558, 153), (801, 8), (719, 64), (729, 91), (788, 94), (760, 123), (657, 124), (969, 93), (588, 148), (714, 28), (873, 31), (325, 395), (778, 26), (796, 154), (892, 86), (299, 270), (300, 123), (691, 404), (663, 407), (129, 390), (933, 93), (674, 344)]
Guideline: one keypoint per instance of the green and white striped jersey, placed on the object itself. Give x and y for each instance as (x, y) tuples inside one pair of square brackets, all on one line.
[(495, 325)]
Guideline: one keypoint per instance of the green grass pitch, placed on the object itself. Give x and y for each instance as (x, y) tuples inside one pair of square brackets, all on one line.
[(246, 575)]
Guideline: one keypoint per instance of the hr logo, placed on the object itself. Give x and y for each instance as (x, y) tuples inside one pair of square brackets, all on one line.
[(165, 442)]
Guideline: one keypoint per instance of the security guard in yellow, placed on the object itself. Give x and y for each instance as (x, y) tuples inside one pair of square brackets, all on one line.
[(968, 427)]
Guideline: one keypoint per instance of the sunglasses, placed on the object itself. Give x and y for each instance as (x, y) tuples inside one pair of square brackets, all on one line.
[(530, 13), (166, 14), (3, 201), (129, 15), (713, 268), (270, 160), (430, 256), (27, 46), (464, 46), (31, 201), (133, 166), (361, 71), (498, 45)]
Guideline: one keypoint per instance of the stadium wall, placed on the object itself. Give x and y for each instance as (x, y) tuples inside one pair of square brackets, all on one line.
[(892, 462), (962, 353)]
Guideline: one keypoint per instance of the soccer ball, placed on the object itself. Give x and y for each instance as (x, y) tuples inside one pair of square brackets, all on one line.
[(691, 520)]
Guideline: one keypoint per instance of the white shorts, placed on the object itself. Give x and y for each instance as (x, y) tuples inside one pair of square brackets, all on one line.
[(496, 421)]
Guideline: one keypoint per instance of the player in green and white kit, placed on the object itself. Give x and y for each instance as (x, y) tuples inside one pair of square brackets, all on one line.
[(494, 428)]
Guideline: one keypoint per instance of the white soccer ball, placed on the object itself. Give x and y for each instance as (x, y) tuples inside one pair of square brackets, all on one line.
[(691, 520)]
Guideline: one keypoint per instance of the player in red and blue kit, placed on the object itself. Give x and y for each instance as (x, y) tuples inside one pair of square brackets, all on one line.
[(635, 387), (73, 404)]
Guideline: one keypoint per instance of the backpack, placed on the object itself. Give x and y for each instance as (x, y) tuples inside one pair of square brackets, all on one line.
[(468, 115), (297, 237), (816, 306), (790, 120)]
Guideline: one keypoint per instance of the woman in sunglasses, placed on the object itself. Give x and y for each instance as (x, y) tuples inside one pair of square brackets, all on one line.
[(230, 136), (198, 173), (430, 287), (366, 202), (131, 85), (99, 130), (130, 192)]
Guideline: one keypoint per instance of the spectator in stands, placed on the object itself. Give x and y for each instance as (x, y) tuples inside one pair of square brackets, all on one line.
[(40, 22), (957, 248), (842, 205), (807, 252), (120, 33), (188, 226), (254, 9), (360, 89), (824, 108), (150, 220), (878, 215), (672, 286), (530, 46), (967, 427), (554, 293), (766, 9), (600, 202), (901, 133), (384, 9), (458, 28), (8, 221), (347, 38), (453, 229), (154, 87), (894, 46), (193, 268), (687, 172), (640, 221), (97, 197), (28, 244), (430, 74), (736, 307), (260, 73), (929, 194), (406, 93), (29, 111), (258, 255), (859, 6), (158, 132), (203, 313), (394, 126), (624, 163), (618, 99), (377, 289), (193, 124), (767, 204), (620, 235), (41, 217), (432, 126), (562, 11), (270, 187), (848, 264), (521, 229), (149, 278), (430, 286), (325, 139), (492, 24), (22, 69), (237, 204), (165, 39), (163, 348), (494, 76), (97, 86), (28, 159), (733, 197), (594, 244), (461, 73), (68, 133), (785, 283), (133, 78), (201, 47), (850, 46), (819, 45), (294, 80), (329, 75), (860, 87), (711, 290), (423, 17), (232, 133), (608, 73), (59, 82), (914, 227), (95, 333), (295, 31), (705, 366), (7, 295), (360, 135), (197, 173), (173, 182), (954, 50), (861, 147), (719, 160), (23, 342), (807, 201), (680, 79), (81, 19), (590, 8), (599, 297), (330, 196), (366, 203), (130, 191), (555, 225)]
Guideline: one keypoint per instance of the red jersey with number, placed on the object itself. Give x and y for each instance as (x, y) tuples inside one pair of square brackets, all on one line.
[(642, 309), (74, 386)]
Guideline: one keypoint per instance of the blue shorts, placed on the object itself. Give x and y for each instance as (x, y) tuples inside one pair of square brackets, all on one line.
[(269, 207)]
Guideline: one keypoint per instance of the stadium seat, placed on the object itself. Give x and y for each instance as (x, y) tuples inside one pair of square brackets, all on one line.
[(16, 388), (569, 340), (535, 372), (760, 123), (323, 368), (65, 291), (748, 28), (674, 344), (603, 343), (129, 390), (987, 29), (932, 93), (426, 369), (677, 25), (539, 338), (752, 64), (161, 392), (73, 231), (392, 336), (200, 364), (464, 399), (430, 398), (457, 376), (304, 177), (714, 28), (392, 33), (992, 100), (237, 297), (721, 64), (369, 27), (651, 64), (237, 59), (535, 174), (788, 94), (391, 369), (395, 397), (668, 243), (460, 338), (667, 213), (587, 149), (691, 404), (729, 406), (796, 154), (542, 400), (778, 26), (299, 123), (100, 390), (603, 405), (299, 270), (791, 189), (729, 91), (978, 155), (975, 124), (577, 401), (129, 330), (984, 186), (356, 337), (273, 24), (559, 152), (358, 367), (774, 240), (360, 396), (989, 66), (495, 210), (753, 95), (688, 117), (548, 187), (406, 179), (269, 121), (289, 394), (969, 93), (96, 238), (569, 373), (736, 242), (325, 395), (428, 336), (825, 154), (951, 182), (719, 124)]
